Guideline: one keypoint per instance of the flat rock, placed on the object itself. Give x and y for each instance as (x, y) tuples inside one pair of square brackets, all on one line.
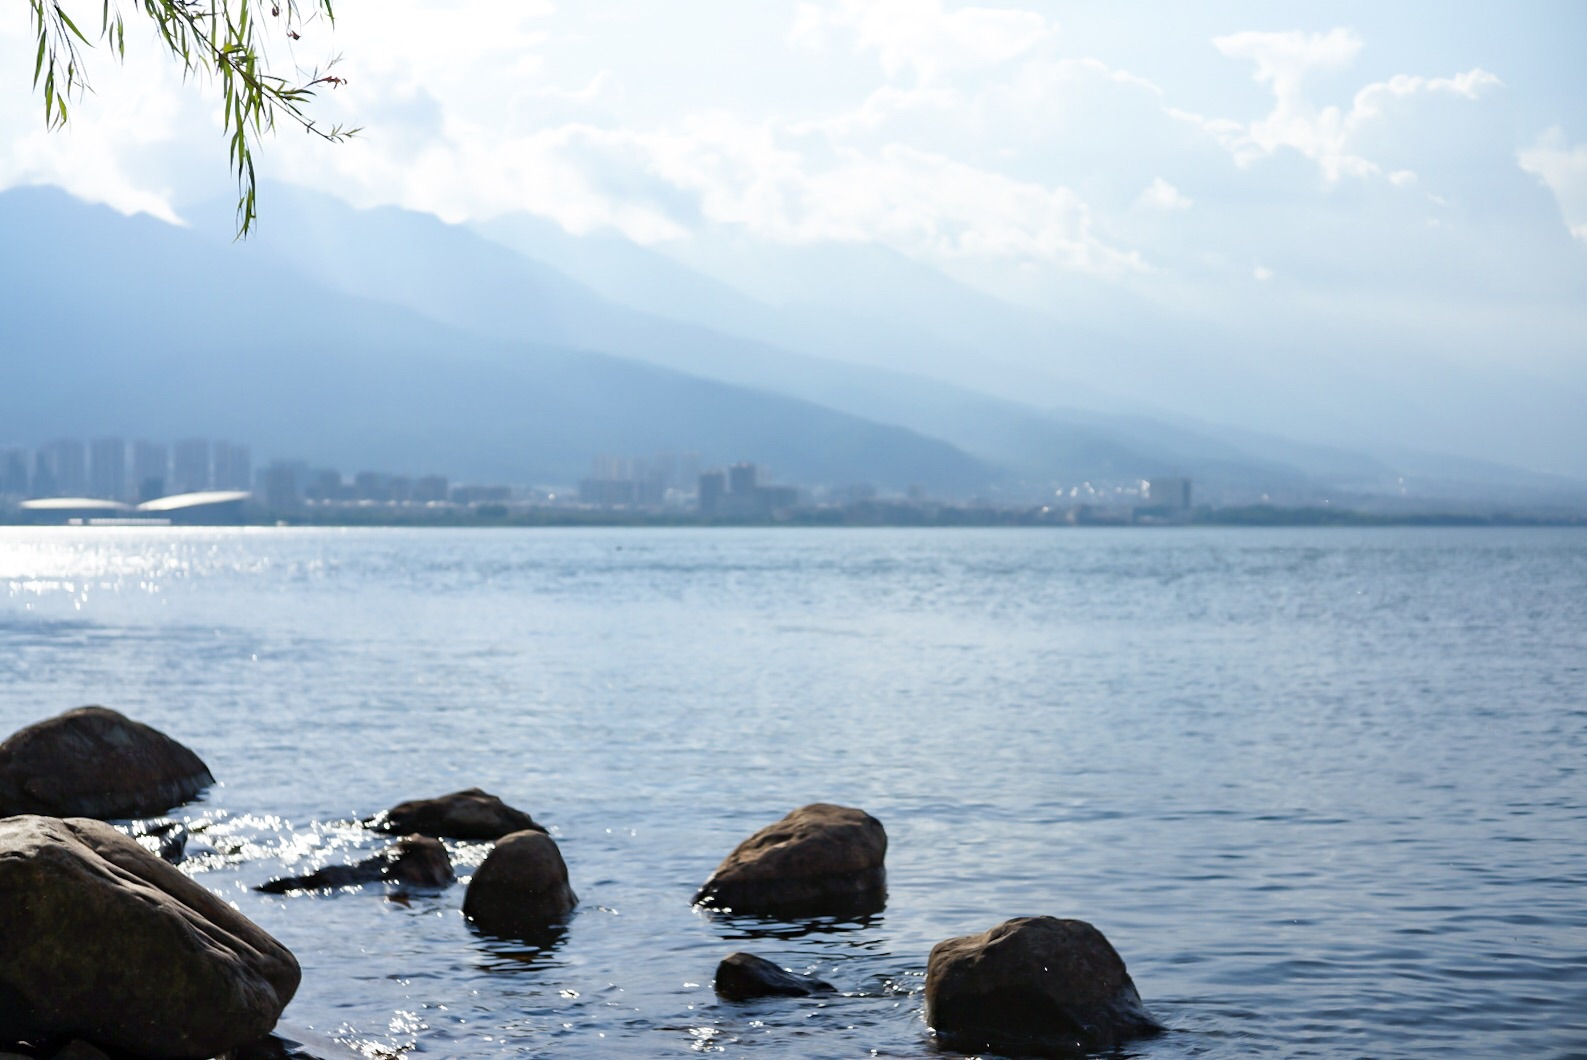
[(414, 860), (742, 976), (471, 814), (521, 888), (94, 762), (819, 860), (1033, 985), (105, 942)]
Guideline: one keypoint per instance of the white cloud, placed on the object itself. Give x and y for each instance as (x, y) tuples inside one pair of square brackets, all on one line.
[(1563, 169), (923, 35), (1327, 135), (1261, 274), (1161, 195)]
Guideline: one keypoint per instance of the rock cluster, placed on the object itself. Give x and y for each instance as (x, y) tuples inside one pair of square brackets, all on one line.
[(109, 950), (819, 860)]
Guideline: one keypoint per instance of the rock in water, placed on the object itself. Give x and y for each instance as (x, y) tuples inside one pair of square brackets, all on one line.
[(104, 941), (471, 814), (819, 860), (1033, 984), (93, 762), (521, 888), (742, 976), (415, 860)]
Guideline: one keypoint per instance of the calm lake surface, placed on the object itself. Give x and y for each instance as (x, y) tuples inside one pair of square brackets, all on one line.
[(1322, 789)]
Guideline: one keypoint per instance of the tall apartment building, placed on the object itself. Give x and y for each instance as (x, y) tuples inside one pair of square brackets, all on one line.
[(150, 469), (14, 471), (190, 470), (60, 469), (107, 469), (233, 469)]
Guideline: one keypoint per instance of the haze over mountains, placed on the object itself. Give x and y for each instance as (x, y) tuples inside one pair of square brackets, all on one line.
[(511, 350)]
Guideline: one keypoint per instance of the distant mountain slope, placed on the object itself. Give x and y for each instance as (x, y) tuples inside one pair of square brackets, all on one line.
[(454, 275), (131, 326)]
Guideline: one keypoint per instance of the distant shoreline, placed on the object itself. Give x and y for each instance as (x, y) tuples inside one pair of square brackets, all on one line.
[(894, 516)]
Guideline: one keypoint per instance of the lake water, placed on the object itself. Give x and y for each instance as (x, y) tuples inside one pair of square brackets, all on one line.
[(1322, 789)]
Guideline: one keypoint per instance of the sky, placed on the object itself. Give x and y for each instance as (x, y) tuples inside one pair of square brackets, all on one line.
[(1407, 178)]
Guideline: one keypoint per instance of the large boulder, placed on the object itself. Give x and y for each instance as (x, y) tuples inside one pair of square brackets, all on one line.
[(415, 860), (94, 762), (742, 976), (819, 860), (1033, 984), (471, 814), (105, 942), (521, 888)]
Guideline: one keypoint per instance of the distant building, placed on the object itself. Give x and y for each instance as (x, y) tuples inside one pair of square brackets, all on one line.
[(150, 469), (608, 492), (741, 479), (430, 489), (283, 484), (14, 477), (60, 469), (481, 494), (233, 469), (1171, 494), (713, 484), (107, 469), (190, 467)]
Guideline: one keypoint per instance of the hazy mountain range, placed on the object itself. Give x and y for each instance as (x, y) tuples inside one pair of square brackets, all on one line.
[(388, 340)]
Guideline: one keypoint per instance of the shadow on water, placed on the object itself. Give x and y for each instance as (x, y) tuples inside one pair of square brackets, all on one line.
[(529, 950), (740, 927)]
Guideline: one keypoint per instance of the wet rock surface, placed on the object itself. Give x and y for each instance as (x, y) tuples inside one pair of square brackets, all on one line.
[(743, 976), (470, 814), (105, 942), (94, 762), (417, 861), (1033, 985), (521, 889), (819, 860)]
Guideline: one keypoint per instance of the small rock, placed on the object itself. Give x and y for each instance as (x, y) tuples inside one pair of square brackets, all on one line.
[(1033, 984), (819, 860), (471, 814), (521, 888), (106, 942), (416, 860), (93, 762), (742, 976)]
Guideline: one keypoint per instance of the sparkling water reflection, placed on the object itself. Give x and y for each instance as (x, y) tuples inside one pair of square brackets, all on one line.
[(1321, 788)]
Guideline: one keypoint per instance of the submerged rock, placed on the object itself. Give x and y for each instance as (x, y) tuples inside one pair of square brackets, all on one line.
[(742, 976), (1033, 984), (819, 860), (521, 888), (416, 860), (94, 762), (105, 942), (471, 814)]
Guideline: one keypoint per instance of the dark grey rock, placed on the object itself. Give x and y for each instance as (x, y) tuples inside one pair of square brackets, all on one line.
[(742, 976), (415, 860), (471, 814), (105, 942), (1033, 985), (521, 888), (93, 762), (819, 860)]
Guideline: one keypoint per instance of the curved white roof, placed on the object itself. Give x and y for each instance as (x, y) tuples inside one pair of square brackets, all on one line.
[(181, 501), (74, 504)]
